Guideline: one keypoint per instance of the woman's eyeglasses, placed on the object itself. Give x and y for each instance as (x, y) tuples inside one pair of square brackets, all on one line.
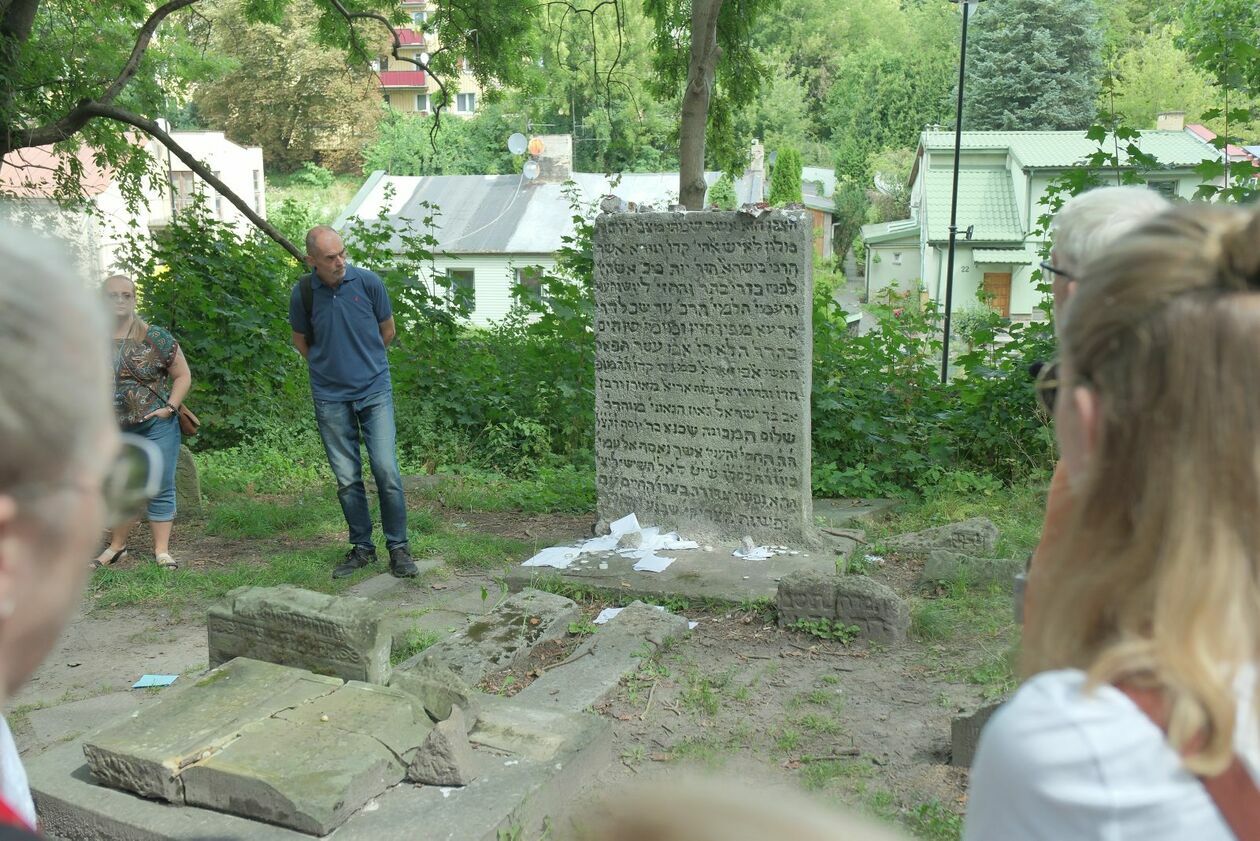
[(119, 296), (1046, 384), (134, 478), (131, 481), (1046, 267)]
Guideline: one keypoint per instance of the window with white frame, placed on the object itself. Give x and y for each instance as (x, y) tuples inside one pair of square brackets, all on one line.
[(422, 103), (462, 287), (183, 185), (258, 191), (530, 282), (466, 103), (896, 261), (218, 202), (381, 64), (420, 18)]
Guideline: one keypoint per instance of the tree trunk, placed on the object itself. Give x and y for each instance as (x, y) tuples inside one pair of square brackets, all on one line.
[(701, 70)]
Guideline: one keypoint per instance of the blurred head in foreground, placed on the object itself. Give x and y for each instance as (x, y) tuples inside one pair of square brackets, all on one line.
[(58, 443), (716, 810)]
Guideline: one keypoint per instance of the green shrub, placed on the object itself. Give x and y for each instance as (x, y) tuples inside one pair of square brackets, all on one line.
[(313, 175)]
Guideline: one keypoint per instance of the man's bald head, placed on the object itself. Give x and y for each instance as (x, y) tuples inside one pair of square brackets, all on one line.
[(326, 254)]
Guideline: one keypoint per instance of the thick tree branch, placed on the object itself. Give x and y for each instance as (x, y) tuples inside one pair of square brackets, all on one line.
[(78, 117), (17, 18), (154, 130), (143, 37)]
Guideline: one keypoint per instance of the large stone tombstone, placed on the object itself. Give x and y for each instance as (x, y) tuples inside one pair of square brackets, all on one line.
[(703, 348)]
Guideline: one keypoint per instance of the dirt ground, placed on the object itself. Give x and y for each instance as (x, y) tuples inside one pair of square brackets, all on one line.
[(863, 726)]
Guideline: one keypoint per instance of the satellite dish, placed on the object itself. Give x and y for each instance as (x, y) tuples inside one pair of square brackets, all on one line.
[(536, 146), (424, 60), (531, 170), (517, 144)]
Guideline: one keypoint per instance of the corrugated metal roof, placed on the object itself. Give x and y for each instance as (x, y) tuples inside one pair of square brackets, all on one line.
[(1062, 149), (986, 199), (500, 214)]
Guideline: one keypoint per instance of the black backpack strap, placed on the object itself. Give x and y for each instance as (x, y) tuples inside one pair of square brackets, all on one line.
[(308, 304)]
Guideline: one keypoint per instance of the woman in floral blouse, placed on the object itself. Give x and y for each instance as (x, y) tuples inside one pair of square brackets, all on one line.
[(151, 378)]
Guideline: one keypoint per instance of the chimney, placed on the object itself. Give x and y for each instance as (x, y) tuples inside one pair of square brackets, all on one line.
[(554, 153), (1171, 121)]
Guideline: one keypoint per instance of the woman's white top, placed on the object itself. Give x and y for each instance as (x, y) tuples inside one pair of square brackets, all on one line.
[(13, 785), (1057, 763)]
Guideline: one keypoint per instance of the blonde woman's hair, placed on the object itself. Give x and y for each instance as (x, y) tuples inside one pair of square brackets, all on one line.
[(139, 327), (55, 389), (1089, 223), (1157, 581)]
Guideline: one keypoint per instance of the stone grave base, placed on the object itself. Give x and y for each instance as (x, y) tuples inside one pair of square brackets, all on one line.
[(696, 574), (529, 763)]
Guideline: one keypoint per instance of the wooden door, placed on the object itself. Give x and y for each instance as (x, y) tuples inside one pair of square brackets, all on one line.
[(997, 287)]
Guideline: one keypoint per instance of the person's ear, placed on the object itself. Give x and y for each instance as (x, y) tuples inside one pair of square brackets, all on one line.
[(310, 261), (1085, 403)]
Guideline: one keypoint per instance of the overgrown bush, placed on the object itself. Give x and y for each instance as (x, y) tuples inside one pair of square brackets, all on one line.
[(226, 301)]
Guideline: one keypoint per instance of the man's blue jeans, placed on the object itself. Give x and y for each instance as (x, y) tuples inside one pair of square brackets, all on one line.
[(340, 427)]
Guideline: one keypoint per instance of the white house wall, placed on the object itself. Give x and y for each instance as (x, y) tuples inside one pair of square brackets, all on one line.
[(494, 275), (882, 273)]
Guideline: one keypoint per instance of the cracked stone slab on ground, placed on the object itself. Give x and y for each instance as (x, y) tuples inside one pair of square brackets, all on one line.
[(595, 670), (147, 751), (306, 777), (504, 638)]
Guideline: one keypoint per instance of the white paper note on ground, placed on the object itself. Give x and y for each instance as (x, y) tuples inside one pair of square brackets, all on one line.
[(553, 556), (649, 561)]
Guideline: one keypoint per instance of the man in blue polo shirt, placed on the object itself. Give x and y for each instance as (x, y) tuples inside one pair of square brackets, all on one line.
[(342, 322)]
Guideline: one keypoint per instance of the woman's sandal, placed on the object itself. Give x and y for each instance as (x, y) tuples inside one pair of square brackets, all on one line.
[(97, 563), (165, 561)]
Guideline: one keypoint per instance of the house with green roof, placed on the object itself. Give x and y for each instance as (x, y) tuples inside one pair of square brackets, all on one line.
[(1003, 178)]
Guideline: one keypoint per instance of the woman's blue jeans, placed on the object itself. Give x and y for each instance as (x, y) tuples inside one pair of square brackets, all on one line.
[(165, 433), (341, 426)]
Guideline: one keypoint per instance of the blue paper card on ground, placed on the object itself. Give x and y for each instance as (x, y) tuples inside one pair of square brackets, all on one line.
[(146, 681)]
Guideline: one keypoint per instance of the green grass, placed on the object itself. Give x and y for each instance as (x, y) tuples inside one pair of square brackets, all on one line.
[(1018, 515), (416, 640), (816, 775), (242, 517), (553, 489), (934, 822)]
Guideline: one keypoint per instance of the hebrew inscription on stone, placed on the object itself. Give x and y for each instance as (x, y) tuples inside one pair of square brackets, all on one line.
[(703, 350)]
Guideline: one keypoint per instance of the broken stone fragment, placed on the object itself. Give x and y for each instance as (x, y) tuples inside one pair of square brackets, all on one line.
[(438, 689), (747, 544), (977, 536), (445, 758)]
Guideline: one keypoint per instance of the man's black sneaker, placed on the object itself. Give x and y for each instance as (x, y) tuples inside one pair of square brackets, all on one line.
[(400, 563), (356, 559)]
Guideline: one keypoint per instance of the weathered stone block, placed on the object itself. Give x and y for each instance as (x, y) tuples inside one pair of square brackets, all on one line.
[(436, 688), (307, 778), (977, 536), (148, 752), (965, 733), (945, 565), (514, 726), (390, 716), (600, 663), (503, 638), (187, 485), (703, 348), (880, 613), (342, 636), (807, 594), (445, 758)]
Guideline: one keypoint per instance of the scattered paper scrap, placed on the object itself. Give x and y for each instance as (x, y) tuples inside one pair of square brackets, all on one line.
[(611, 613), (756, 553), (146, 681), (691, 626), (651, 562), (553, 556)]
